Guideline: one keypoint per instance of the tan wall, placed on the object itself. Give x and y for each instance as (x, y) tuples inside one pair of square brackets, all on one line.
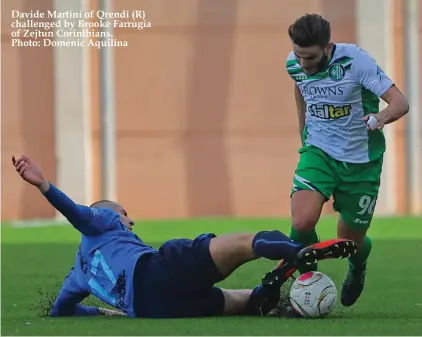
[(400, 127), (420, 96), (27, 116), (206, 121)]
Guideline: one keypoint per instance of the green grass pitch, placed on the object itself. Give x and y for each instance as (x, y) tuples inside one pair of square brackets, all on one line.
[(35, 261)]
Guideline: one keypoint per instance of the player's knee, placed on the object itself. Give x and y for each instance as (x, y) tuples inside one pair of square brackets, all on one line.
[(243, 244), (230, 251), (239, 243), (245, 240), (303, 223), (306, 210)]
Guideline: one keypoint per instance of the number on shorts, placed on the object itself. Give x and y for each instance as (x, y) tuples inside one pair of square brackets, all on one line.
[(367, 205)]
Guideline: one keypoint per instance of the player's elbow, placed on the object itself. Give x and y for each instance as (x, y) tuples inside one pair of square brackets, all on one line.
[(406, 106), (402, 104), (55, 312), (399, 108), (61, 311)]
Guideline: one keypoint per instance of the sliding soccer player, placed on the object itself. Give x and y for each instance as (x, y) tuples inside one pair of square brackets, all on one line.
[(176, 280)]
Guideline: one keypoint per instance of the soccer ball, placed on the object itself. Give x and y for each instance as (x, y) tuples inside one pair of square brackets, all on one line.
[(313, 294)]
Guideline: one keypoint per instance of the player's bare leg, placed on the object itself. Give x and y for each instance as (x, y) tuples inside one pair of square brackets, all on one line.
[(236, 301), (231, 251), (354, 283), (306, 208)]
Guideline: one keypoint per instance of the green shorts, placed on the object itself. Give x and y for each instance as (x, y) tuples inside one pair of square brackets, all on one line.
[(354, 187)]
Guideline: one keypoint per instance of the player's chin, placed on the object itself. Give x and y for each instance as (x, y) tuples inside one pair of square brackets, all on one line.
[(309, 71)]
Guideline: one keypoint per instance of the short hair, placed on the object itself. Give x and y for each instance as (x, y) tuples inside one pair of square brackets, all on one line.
[(102, 204), (310, 30)]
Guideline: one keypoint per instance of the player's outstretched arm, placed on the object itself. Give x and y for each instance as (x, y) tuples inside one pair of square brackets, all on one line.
[(79, 216), (68, 302), (65, 309)]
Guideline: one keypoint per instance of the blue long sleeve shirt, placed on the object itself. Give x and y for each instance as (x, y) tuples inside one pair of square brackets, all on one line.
[(104, 262)]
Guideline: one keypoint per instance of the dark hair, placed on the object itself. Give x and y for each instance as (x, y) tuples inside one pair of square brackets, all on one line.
[(310, 30), (101, 203)]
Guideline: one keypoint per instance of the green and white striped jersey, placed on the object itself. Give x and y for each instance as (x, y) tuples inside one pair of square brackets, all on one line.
[(337, 99)]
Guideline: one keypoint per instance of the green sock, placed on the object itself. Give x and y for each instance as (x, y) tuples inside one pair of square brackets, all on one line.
[(306, 238), (358, 261)]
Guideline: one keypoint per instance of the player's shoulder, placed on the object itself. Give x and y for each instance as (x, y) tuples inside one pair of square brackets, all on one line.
[(354, 57), (293, 67), (291, 60), (291, 56), (351, 50), (346, 50), (346, 47)]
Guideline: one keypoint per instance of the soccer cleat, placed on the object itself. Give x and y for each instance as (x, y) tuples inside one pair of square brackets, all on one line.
[(277, 276), (352, 286), (272, 282), (330, 249), (270, 289)]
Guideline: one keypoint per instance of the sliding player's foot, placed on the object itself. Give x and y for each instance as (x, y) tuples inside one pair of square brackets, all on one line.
[(272, 282), (279, 274), (353, 286), (265, 298), (331, 249)]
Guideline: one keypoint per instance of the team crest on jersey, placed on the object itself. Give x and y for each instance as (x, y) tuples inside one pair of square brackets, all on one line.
[(336, 72)]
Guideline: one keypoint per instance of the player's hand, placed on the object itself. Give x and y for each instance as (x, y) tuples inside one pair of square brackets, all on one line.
[(30, 172), (109, 312), (374, 121)]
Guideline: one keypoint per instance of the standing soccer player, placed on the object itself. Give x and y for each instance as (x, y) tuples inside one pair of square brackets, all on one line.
[(337, 88)]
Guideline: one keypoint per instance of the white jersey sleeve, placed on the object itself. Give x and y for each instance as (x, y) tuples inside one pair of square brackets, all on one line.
[(368, 74)]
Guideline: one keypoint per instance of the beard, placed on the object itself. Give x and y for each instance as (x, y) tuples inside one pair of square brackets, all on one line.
[(321, 65)]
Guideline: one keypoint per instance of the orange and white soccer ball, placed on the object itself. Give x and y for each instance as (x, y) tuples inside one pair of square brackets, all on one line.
[(313, 294)]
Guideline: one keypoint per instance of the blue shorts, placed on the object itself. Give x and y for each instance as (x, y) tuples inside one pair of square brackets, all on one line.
[(178, 281)]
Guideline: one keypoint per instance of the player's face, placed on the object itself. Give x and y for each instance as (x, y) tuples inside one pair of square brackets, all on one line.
[(124, 218), (312, 59)]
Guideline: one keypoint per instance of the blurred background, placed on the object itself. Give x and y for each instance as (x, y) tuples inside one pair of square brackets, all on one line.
[(200, 107)]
